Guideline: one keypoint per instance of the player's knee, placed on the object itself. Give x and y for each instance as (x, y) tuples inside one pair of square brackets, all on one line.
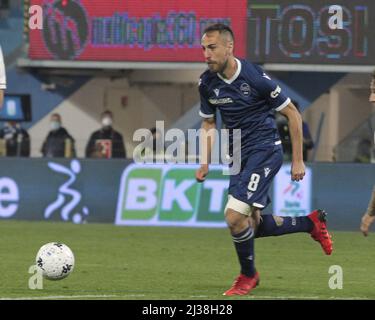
[(237, 214), (236, 221)]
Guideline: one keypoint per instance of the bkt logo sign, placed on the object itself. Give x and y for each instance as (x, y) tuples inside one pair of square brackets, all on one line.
[(168, 195)]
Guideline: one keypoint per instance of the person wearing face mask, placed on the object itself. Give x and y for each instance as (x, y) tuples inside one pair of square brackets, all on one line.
[(59, 143), (106, 142), (16, 139)]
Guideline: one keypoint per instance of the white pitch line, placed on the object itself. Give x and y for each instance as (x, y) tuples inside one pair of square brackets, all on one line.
[(306, 298), (73, 297), (198, 296), (283, 297)]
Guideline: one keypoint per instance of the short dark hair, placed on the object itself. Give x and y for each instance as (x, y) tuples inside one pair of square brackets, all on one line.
[(56, 115), (107, 113), (221, 28)]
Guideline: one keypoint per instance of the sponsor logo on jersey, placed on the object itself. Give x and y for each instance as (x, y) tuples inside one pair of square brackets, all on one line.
[(245, 89), (221, 101), (275, 93), (217, 91), (249, 195)]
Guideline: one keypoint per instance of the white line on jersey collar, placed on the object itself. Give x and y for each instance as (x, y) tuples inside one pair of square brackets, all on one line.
[(235, 76)]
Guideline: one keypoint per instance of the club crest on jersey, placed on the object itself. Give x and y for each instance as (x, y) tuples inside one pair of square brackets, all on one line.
[(217, 91), (245, 89)]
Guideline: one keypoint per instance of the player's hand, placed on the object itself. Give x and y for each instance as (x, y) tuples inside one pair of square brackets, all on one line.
[(366, 222), (298, 171), (201, 173)]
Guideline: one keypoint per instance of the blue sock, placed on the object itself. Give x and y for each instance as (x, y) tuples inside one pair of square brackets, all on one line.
[(277, 226), (244, 244)]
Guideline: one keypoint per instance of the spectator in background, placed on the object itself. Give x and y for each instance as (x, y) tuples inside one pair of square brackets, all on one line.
[(59, 143), (152, 149), (15, 141), (363, 151), (2, 79), (372, 88), (106, 142), (365, 146), (283, 128), (157, 153)]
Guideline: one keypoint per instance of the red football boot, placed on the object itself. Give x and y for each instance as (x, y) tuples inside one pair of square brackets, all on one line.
[(319, 232), (243, 285)]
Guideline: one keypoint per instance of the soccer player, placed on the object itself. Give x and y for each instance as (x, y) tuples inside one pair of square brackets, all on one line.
[(246, 97), (2, 79), (369, 216)]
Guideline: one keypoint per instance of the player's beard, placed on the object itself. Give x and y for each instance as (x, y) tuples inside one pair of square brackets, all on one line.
[(216, 67), (211, 66), (222, 68)]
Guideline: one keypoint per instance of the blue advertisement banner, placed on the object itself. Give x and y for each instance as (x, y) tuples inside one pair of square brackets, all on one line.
[(59, 190), (121, 192)]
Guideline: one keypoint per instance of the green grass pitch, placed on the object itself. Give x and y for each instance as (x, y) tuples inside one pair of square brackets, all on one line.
[(150, 263)]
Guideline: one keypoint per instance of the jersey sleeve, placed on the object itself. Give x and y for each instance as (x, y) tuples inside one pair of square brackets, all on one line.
[(271, 91), (207, 110), (3, 84)]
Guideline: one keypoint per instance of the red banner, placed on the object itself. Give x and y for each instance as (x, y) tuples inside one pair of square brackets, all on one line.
[(132, 30)]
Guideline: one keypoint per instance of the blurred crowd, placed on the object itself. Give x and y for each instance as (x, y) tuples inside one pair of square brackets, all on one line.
[(105, 142)]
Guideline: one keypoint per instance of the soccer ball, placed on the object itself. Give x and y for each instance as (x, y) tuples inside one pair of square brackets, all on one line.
[(55, 261)]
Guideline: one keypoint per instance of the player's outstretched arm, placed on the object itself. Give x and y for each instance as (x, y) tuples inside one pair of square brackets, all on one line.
[(206, 141), (296, 136)]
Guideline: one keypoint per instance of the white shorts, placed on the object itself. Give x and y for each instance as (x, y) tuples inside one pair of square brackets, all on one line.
[(237, 205)]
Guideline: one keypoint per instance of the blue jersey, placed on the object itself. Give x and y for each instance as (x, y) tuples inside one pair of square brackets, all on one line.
[(3, 84), (246, 101)]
